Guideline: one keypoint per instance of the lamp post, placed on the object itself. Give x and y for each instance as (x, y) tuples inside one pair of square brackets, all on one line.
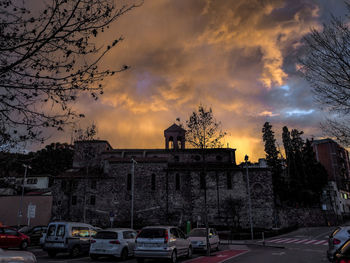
[(20, 212), (249, 200), (132, 192)]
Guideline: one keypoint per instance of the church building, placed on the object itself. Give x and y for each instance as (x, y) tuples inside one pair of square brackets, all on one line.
[(169, 186)]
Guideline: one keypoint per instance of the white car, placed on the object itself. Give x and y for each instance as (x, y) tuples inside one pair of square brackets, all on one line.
[(338, 237), (116, 242), (167, 242), (10, 256), (198, 239)]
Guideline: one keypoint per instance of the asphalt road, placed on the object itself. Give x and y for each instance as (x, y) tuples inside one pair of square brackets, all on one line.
[(304, 245)]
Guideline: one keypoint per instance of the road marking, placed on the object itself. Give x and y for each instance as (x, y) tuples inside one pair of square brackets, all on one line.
[(291, 241), (301, 241), (311, 241), (278, 253), (219, 257)]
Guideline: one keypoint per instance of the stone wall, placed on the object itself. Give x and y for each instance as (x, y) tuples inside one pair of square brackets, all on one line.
[(301, 217)]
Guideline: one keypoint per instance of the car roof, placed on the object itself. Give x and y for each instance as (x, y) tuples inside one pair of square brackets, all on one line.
[(69, 223), (147, 227), (117, 229)]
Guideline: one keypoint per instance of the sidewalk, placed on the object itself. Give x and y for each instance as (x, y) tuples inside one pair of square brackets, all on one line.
[(249, 242)]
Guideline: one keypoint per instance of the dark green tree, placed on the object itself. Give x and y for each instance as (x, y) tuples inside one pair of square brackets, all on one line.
[(54, 159), (273, 161)]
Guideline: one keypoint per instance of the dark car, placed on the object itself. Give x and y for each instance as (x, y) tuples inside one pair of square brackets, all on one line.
[(11, 238), (35, 233), (343, 253)]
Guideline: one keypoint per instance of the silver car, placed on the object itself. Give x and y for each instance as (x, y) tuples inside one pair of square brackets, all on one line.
[(16, 256), (167, 242), (199, 241), (338, 237), (116, 242)]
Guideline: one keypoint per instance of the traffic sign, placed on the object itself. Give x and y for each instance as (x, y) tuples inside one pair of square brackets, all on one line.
[(31, 211)]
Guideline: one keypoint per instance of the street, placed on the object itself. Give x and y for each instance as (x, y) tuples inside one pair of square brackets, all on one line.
[(303, 245)]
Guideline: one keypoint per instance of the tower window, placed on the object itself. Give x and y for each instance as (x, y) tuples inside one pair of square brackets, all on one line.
[(177, 182), (128, 182), (93, 184), (92, 200), (153, 182), (229, 181)]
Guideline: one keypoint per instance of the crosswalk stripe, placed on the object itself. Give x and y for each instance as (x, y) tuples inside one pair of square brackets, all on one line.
[(275, 240), (283, 241), (291, 241), (311, 241), (301, 241), (320, 242)]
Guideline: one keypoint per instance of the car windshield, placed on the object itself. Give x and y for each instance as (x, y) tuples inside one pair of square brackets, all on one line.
[(197, 233), (106, 235), (152, 233), (25, 229)]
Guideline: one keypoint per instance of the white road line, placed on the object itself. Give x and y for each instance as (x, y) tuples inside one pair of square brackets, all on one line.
[(292, 241), (274, 240), (302, 241), (284, 240), (311, 241), (320, 242)]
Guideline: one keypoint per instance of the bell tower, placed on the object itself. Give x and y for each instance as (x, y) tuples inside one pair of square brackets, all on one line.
[(175, 136)]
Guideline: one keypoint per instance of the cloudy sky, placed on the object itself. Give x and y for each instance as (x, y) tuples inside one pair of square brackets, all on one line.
[(238, 57)]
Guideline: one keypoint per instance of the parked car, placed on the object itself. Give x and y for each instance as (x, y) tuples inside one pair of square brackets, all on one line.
[(11, 238), (167, 242), (338, 237), (199, 241), (116, 242), (35, 233), (7, 256), (342, 255), (71, 237), (42, 238)]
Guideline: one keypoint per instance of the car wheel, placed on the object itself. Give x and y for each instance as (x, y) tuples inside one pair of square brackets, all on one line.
[(24, 245), (124, 255), (75, 252), (173, 258), (189, 252), (140, 260), (52, 254), (93, 257)]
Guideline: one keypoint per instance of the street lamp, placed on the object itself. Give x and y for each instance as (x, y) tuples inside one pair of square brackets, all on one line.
[(249, 201), (20, 212), (132, 192)]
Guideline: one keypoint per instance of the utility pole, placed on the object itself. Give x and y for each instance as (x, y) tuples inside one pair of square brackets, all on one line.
[(132, 192), (249, 201), (20, 212)]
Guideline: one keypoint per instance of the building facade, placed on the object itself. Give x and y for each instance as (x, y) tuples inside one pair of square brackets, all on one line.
[(169, 186)]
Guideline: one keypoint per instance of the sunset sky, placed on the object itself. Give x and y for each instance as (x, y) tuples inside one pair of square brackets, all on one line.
[(238, 57)]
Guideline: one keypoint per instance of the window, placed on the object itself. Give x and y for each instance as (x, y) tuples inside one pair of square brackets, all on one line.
[(106, 235), (60, 230), (129, 235), (153, 182), (202, 181), (32, 180), (74, 200), (128, 182), (229, 181), (177, 182), (219, 158), (174, 232), (181, 234), (10, 232), (51, 231), (176, 158), (92, 200), (93, 184), (75, 185), (80, 231), (63, 185)]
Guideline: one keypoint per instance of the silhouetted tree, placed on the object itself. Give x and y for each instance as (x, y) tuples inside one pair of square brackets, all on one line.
[(273, 160), (326, 66), (204, 132), (48, 55)]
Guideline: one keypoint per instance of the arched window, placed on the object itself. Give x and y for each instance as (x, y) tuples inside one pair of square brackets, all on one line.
[(153, 182)]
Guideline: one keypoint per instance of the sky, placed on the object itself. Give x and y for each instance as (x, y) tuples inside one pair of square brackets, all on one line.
[(239, 57)]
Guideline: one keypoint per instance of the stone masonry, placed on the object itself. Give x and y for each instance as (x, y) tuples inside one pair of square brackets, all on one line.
[(169, 186)]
